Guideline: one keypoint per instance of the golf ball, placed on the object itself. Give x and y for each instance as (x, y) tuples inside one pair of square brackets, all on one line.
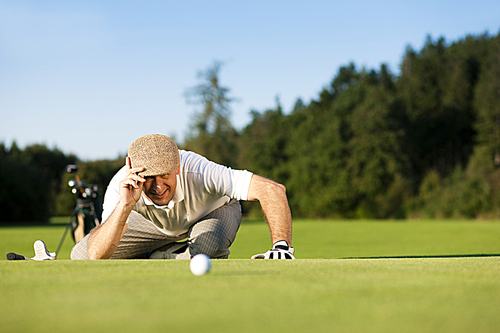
[(200, 264)]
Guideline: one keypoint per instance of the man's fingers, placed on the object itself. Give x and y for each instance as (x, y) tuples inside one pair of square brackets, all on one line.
[(134, 180), (130, 182), (136, 177), (135, 171), (128, 164)]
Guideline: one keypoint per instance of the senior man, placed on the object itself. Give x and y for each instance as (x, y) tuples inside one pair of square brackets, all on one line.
[(167, 203)]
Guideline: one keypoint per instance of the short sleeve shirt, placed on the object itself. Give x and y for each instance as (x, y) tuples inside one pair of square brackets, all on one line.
[(202, 187)]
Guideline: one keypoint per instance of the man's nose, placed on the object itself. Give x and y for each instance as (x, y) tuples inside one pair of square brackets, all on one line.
[(157, 182)]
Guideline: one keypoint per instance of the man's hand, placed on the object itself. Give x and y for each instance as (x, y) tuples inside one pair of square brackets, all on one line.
[(280, 250), (131, 186)]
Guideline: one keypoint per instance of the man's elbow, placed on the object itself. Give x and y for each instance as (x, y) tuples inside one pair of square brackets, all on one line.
[(263, 189), (277, 187), (93, 256)]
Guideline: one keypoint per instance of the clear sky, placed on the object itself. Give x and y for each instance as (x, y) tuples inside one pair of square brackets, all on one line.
[(89, 77)]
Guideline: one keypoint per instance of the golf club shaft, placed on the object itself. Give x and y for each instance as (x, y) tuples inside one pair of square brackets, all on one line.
[(63, 237)]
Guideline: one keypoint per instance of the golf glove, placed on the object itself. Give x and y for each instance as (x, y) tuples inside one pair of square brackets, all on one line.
[(280, 250)]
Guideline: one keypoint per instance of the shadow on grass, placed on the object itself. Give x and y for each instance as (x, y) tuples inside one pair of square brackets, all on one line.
[(244, 273), (56, 221), (33, 225), (253, 221), (431, 256)]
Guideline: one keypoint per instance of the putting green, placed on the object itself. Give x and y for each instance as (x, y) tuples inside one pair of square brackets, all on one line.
[(373, 276), (323, 295)]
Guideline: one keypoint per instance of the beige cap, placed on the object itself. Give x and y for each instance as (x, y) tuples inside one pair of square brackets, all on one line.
[(155, 152)]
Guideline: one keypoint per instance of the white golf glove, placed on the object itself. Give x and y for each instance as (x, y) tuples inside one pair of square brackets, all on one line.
[(280, 250)]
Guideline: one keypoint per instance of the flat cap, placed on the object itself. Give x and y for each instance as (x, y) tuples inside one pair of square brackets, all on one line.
[(157, 153)]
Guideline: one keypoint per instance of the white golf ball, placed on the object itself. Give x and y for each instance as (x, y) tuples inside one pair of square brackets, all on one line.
[(200, 264)]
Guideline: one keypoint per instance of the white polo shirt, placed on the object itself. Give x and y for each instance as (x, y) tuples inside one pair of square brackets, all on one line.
[(202, 187)]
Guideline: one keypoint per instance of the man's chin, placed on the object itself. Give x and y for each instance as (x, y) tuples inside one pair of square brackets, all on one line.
[(161, 202), (158, 201)]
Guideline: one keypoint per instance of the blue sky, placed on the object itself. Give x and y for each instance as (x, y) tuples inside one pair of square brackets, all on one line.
[(89, 77)]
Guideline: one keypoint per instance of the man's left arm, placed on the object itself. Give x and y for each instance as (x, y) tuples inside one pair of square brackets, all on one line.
[(274, 203)]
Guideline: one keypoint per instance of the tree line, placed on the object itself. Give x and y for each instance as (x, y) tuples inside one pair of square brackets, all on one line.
[(422, 144), (34, 182)]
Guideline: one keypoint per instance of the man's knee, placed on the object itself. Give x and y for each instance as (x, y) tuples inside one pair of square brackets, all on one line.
[(212, 244), (216, 233)]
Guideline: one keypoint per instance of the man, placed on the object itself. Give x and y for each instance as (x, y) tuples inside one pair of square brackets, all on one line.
[(163, 196)]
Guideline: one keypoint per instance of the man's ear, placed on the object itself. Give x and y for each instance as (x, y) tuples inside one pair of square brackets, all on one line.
[(178, 170)]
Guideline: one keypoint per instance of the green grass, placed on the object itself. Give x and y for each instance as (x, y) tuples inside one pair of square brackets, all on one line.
[(367, 239), (352, 276)]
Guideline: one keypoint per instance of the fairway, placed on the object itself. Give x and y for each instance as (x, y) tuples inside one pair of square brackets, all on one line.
[(351, 277)]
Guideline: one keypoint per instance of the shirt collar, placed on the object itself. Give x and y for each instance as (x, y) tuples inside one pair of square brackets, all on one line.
[(178, 197)]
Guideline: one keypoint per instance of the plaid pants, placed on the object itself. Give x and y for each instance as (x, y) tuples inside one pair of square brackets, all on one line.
[(212, 235)]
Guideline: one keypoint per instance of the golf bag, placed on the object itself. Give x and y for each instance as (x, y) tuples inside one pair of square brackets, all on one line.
[(87, 213)]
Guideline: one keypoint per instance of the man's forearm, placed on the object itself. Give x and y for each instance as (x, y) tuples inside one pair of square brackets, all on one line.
[(104, 239), (274, 203), (279, 217)]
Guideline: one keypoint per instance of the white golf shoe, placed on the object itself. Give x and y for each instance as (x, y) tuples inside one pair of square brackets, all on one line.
[(41, 252)]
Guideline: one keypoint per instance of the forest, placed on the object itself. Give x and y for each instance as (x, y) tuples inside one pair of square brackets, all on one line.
[(421, 144)]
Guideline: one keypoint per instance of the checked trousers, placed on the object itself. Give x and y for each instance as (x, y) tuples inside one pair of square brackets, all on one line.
[(211, 235)]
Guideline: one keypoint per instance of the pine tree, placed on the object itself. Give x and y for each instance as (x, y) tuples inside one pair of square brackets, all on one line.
[(211, 132)]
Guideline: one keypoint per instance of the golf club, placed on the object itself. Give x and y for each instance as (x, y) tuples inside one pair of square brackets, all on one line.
[(41, 253), (14, 256)]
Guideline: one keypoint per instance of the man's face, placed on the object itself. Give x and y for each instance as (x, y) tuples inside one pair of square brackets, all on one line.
[(161, 189)]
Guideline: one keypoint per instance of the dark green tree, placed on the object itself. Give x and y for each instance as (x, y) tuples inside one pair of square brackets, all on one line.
[(377, 167), (444, 130), (487, 103), (29, 180)]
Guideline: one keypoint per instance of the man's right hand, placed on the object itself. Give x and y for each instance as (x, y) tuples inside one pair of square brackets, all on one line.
[(280, 250), (131, 186)]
